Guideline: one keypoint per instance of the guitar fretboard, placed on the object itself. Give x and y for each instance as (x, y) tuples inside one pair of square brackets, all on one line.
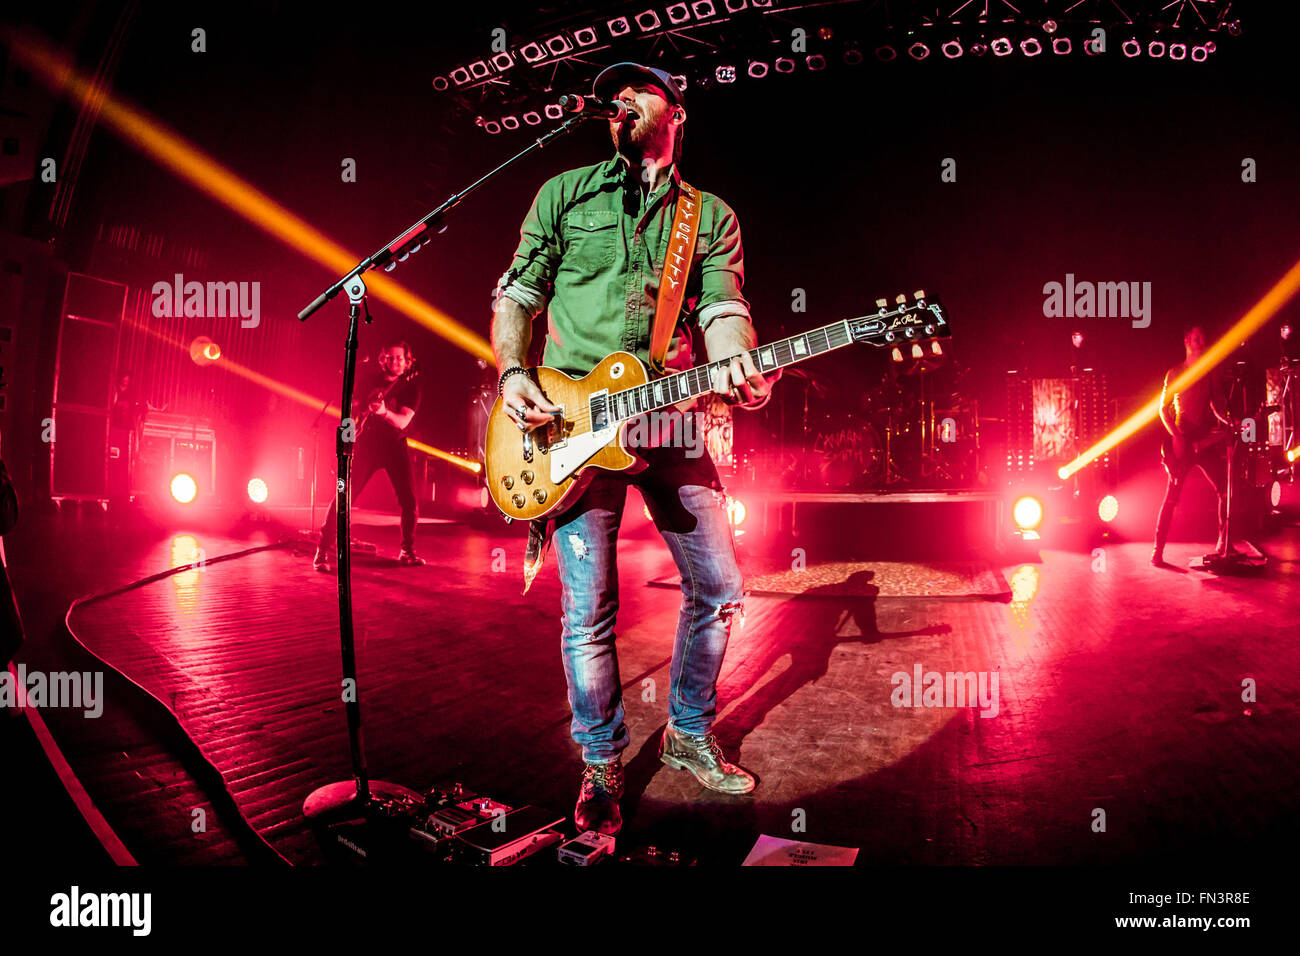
[(681, 386)]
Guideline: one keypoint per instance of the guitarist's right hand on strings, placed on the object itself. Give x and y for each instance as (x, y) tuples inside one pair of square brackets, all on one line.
[(525, 404)]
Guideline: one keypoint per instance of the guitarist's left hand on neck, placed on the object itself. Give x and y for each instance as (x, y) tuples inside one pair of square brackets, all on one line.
[(741, 383)]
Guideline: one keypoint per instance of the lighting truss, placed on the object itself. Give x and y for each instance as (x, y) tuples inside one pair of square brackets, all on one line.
[(706, 43)]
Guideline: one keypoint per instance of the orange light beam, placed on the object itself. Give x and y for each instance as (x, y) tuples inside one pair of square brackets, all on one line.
[(174, 152), (302, 398), (1246, 326)]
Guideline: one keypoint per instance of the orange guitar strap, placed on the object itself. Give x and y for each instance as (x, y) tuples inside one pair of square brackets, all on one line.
[(672, 280)]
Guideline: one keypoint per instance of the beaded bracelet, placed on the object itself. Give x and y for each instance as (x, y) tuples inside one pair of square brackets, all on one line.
[(512, 370)]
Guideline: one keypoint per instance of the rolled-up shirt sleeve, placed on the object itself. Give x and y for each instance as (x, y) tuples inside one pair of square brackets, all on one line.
[(722, 270), (530, 281)]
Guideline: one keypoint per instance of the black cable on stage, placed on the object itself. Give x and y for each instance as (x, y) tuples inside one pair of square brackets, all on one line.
[(220, 780)]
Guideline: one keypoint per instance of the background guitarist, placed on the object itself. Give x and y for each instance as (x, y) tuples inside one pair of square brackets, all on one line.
[(1191, 418), (593, 248), (392, 398)]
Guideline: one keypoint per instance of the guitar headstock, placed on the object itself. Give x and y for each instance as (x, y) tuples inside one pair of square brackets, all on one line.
[(920, 319)]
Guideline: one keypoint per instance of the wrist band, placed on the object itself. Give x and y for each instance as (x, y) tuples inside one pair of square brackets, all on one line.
[(512, 370)]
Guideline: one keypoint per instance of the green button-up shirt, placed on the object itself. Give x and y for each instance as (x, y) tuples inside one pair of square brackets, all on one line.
[(594, 243)]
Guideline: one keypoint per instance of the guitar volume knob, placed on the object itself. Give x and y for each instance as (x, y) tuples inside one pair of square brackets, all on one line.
[(539, 495), (508, 482), (527, 476), (517, 500)]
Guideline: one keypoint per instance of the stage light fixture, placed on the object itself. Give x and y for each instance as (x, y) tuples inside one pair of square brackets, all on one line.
[(480, 70), (532, 118), (783, 65), (1156, 48), (1131, 47), (183, 488), (952, 49), (532, 51), (460, 76), (1108, 508), (559, 45), (886, 53), (204, 351), (735, 6), (936, 348), (678, 13), (1293, 454), (1001, 46), (816, 62), (917, 351), (896, 354), (489, 126), (704, 9), (440, 83), (257, 491), (585, 36), (1027, 513), (1178, 51), (619, 26), (1061, 46), (647, 20), (1234, 28), (757, 69), (1275, 493), (725, 74), (1200, 53), (1030, 46), (503, 61), (736, 511), (509, 122), (553, 111), (852, 56), (1049, 27), (918, 51), (978, 49)]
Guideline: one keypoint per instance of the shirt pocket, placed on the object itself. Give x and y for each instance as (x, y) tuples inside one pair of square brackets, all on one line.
[(591, 237)]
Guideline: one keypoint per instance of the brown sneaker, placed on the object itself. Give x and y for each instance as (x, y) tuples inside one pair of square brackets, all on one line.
[(703, 757), (597, 809)]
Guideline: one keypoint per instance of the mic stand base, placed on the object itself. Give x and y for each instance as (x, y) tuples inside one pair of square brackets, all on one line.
[(337, 803)]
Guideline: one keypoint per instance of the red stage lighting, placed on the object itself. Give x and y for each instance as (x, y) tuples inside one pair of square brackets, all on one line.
[(1108, 508), (1027, 513), (184, 488), (257, 491)]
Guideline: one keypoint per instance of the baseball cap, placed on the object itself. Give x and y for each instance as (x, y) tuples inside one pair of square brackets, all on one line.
[(613, 78)]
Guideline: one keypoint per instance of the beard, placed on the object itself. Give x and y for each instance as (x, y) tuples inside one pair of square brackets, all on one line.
[(646, 136)]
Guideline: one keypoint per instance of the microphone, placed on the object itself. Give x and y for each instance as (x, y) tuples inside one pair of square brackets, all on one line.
[(594, 106)]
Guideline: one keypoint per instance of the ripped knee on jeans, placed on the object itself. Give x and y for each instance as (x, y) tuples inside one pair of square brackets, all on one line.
[(732, 610)]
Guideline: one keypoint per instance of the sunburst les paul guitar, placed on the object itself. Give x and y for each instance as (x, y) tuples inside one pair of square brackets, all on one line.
[(540, 473)]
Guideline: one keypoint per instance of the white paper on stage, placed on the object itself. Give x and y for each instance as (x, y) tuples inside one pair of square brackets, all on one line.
[(775, 851)]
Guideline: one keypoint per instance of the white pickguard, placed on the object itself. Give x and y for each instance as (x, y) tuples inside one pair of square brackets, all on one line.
[(577, 450)]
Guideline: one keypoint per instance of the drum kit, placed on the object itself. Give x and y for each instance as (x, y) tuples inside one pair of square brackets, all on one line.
[(914, 428)]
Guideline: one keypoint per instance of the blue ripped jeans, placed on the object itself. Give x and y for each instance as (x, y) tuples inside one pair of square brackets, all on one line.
[(684, 498)]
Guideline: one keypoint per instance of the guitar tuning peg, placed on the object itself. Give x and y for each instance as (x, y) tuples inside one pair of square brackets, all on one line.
[(881, 303), (919, 294), (900, 298)]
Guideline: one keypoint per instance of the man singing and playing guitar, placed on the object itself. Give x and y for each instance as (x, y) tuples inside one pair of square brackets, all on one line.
[(596, 247), (382, 418), (1195, 441)]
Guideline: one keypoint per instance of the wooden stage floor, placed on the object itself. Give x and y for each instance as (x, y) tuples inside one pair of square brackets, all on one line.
[(1119, 690)]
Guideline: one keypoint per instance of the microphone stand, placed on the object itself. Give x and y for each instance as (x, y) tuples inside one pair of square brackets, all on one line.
[(362, 797)]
